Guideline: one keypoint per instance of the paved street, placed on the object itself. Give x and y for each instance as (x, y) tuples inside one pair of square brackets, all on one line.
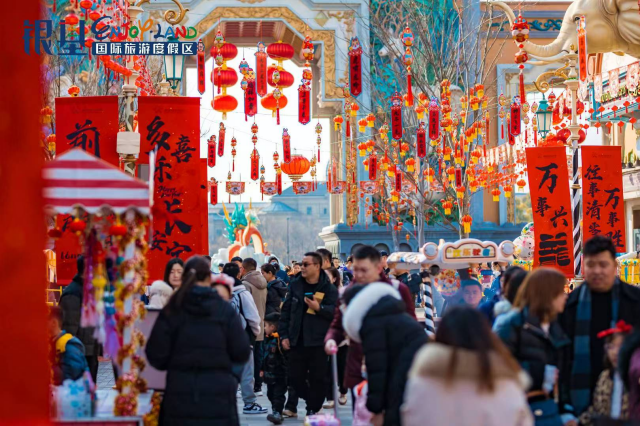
[(106, 395)]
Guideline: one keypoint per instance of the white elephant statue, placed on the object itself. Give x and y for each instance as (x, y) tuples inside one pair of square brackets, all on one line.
[(612, 26)]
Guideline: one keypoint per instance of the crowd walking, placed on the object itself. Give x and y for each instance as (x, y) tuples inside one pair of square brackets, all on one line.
[(530, 353)]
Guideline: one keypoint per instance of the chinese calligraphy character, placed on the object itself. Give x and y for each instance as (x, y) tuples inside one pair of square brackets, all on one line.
[(612, 197), (593, 189), (160, 172), (178, 249), (186, 48), (542, 206), (154, 135), (613, 218), (183, 152), (593, 209), (173, 49), (559, 215), (616, 237), (85, 134), (130, 48), (172, 208), (159, 238), (548, 175), (554, 250), (115, 48), (158, 48), (145, 48), (592, 172), (594, 229), (100, 48)]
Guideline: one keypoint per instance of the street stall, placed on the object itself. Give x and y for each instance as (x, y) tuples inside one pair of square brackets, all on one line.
[(110, 209)]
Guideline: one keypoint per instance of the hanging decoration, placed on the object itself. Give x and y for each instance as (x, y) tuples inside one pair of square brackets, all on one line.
[(261, 70), (502, 100), (286, 146), (223, 76), (255, 164), (248, 85), (221, 135), (234, 142), (213, 191), (514, 125), (296, 168), (319, 139), (407, 39), (582, 49), (434, 119), (373, 166), (211, 151), (355, 66), (302, 187), (200, 65), (369, 187), (520, 33), (234, 187), (304, 90), (396, 116)]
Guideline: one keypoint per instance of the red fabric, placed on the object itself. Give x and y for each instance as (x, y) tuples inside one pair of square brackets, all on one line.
[(24, 368), (353, 369)]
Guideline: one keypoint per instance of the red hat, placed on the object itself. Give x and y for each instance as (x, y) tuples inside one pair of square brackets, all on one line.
[(621, 327)]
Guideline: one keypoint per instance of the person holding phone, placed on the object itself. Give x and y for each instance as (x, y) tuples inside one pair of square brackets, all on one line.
[(306, 315)]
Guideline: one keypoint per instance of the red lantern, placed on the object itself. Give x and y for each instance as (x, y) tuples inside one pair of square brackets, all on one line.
[(211, 151), (224, 104), (297, 167), (421, 141), (280, 52), (224, 78), (118, 230), (78, 226), (94, 15), (269, 102), (228, 51), (71, 19), (286, 78)]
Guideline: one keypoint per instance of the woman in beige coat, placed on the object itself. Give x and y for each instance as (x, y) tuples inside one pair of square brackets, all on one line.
[(467, 377)]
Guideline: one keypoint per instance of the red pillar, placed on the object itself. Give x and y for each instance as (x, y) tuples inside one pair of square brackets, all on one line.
[(24, 369)]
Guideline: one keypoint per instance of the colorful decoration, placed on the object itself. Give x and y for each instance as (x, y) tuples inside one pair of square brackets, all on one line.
[(261, 70), (296, 168), (221, 135), (396, 116), (211, 151), (200, 67), (355, 67), (582, 49), (213, 191), (286, 146)]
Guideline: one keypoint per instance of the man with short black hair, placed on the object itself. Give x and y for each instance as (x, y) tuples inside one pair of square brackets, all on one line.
[(326, 258), (306, 315), (596, 305), (367, 269)]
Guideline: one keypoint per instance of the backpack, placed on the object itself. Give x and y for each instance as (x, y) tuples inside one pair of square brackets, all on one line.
[(236, 302)]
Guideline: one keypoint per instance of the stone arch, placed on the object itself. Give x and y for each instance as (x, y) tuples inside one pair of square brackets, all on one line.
[(383, 247), (356, 247), (405, 247)]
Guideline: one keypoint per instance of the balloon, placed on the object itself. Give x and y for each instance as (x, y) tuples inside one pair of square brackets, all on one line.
[(524, 246), (528, 229)]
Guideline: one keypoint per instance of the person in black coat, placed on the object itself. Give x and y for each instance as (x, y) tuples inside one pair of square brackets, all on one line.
[(376, 317), (306, 315), (533, 335), (196, 339), (276, 289), (71, 306)]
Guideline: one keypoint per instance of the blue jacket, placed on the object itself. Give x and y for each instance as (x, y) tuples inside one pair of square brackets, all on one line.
[(67, 358)]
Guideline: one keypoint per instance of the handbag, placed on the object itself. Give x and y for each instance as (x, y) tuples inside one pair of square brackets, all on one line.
[(545, 413)]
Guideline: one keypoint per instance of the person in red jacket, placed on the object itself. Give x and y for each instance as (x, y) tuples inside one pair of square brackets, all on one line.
[(367, 268)]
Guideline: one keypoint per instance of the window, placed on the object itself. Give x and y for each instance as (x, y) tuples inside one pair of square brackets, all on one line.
[(324, 211), (309, 210)]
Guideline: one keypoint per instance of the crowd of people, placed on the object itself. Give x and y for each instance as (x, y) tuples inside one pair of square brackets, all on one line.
[(527, 352)]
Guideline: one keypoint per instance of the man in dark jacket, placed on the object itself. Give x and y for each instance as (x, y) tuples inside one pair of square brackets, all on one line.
[(276, 289), (66, 352), (71, 305), (376, 318), (597, 305), (367, 268), (306, 315), (412, 281)]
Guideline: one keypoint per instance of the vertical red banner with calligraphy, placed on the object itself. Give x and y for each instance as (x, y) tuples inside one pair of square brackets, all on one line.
[(602, 199), (90, 123), (551, 205), (179, 228)]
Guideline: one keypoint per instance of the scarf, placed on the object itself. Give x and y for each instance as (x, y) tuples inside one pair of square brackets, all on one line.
[(581, 370)]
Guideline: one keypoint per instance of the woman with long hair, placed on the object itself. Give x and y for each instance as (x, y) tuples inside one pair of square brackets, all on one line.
[(466, 377), (173, 272), (196, 339), (537, 341)]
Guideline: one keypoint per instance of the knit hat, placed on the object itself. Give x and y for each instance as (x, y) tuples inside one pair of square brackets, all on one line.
[(223, 279)]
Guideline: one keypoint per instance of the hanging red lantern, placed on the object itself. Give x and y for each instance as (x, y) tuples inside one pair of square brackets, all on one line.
[(221, 135), (234, 142), (296, 168), (280, 52), (373, 166), (211, 151), (78, 226), (434, 119), (213, 191), (224, 104), (224, 78), (71, 19), (255, 164), (272, 104), (355, 67), (94, 15), (396, 116), (282, 79), (286, 146), (200, 67), (261, 70)]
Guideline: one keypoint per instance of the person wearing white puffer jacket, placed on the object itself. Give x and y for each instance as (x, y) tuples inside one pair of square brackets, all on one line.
[(159, 294)]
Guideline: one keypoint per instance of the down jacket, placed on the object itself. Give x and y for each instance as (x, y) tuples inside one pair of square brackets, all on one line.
[(159, 294), (390, 338), (197, 347), (276, 292), (255, 282), (71, 305)]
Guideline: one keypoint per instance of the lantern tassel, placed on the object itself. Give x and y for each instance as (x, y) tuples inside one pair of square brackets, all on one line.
[(409, 91), (278, 115), (522, 94), (535, 138), (233, 167), (502, 129), (318, 154)]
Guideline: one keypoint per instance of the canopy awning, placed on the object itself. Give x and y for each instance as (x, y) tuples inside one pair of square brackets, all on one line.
[(78, 179)]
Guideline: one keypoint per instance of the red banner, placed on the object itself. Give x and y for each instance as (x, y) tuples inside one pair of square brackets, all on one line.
[(255, 164), (398, 179), (434, 120), (261, 71), (304, 104), (211, 151), (373, 166), (172, 124), (200, 67), (250, 99), (551, 205), (213, 195), (221, 134), (514, 127), (355, 73), (286, 146), (396, 118), (279, 181), (602, 195), (421, 141), (90, 123)]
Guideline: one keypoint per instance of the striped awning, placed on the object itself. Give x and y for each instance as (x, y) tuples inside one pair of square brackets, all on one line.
[(78, 179)]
